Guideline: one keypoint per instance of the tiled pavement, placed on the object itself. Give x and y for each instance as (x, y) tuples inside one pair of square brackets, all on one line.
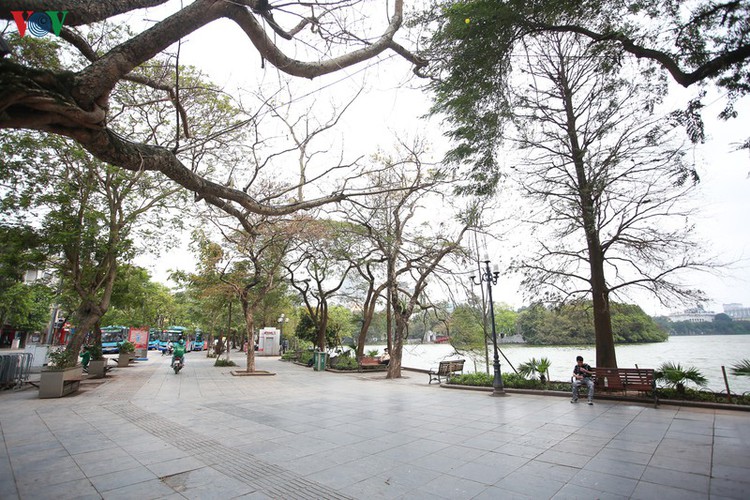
[(148, 433)]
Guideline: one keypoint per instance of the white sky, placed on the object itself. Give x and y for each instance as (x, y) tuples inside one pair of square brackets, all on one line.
[(389, 107)]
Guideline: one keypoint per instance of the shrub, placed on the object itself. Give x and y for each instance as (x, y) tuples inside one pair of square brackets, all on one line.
[(290, 356), (61, 359), (674, 375), (741, 368), (126, 346), (224, 362), (510, 380), (372, 353), (474, 379), (305, 357), (535, 367), (345, 363)]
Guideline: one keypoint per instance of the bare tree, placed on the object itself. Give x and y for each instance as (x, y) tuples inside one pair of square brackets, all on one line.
[(412, 248), (608, 185)]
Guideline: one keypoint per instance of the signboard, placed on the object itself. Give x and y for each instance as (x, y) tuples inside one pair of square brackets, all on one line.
[(139, 337)]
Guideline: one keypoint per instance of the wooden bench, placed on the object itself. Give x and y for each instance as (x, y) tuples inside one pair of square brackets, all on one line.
[(626, 379), (446, 369), (371, 363)]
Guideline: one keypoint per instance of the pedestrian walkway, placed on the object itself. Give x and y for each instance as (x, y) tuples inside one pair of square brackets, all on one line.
[(148, 433)]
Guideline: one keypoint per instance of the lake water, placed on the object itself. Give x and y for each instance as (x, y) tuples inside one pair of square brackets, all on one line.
[(705, 352)]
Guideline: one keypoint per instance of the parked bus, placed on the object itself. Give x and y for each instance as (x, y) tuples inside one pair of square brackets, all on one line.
[(111, 338), (154, 334), (198, 344), (172, 334)]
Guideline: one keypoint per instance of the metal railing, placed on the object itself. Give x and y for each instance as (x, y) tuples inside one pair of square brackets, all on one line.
[(15, 369)]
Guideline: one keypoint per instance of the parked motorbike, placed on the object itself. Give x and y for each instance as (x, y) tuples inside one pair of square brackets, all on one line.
[(177, 365)]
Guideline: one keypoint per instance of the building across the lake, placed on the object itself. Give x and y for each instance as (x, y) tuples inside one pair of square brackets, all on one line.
[(737, 311), (699, 315), (694, 315)]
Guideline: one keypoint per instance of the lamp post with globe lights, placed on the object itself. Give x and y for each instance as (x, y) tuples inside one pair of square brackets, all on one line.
[(282, 319), (490, 277)]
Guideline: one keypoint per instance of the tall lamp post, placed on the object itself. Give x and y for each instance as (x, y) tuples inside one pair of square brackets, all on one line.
[(490, 277), (282, 319)]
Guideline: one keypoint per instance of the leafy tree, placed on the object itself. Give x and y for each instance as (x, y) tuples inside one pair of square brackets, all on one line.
[(26, 307), (138, 301), (707, 328), (572, 324), (339, 324), (466, 331), (630, 324), (317, 270), (722, 318), (505, 319)]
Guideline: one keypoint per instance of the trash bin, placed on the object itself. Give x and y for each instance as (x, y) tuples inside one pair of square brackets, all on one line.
[(319, 361)]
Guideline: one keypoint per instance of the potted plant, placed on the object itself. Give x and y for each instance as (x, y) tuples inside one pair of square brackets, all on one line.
[(61, 376), (98, 363), (127, 352)]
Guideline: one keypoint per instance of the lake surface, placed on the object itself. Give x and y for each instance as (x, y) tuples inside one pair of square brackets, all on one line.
[(705, 352)]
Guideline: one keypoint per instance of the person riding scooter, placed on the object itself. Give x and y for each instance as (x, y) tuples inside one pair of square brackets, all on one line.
[(179, 352)]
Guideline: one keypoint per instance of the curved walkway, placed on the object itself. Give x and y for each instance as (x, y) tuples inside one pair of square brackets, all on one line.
[(148, 433)]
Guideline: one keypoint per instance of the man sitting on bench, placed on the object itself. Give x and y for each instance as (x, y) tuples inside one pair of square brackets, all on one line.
[(582, 373), (385, 358)]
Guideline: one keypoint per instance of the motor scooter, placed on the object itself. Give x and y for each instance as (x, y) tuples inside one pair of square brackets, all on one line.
[(177, 364)]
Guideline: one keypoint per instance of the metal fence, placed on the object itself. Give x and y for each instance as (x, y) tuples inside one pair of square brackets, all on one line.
[(15, 369)]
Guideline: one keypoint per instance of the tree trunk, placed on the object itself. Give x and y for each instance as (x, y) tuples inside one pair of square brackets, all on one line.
[(322, 325), (250, 327), (394, 366), (605, 345), (88, 315), (98, 342)]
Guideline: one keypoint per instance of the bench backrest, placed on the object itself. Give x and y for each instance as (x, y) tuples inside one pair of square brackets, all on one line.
[(625, 378), (448, 367)]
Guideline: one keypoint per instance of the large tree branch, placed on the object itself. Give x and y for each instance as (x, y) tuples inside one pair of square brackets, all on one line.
[(709, 69)]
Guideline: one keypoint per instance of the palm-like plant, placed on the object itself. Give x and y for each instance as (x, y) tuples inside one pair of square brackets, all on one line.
[(741, 368), (533, 367), (674, 375)]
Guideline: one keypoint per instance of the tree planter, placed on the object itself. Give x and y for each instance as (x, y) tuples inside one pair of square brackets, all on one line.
[(97, 368), (124, 359), (59, 383)]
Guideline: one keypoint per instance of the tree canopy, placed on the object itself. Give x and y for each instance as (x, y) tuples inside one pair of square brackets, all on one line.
[(574, 324)]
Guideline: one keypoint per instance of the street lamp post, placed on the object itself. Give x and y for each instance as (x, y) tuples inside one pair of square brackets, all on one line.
[(490, 277), (282, 319)]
